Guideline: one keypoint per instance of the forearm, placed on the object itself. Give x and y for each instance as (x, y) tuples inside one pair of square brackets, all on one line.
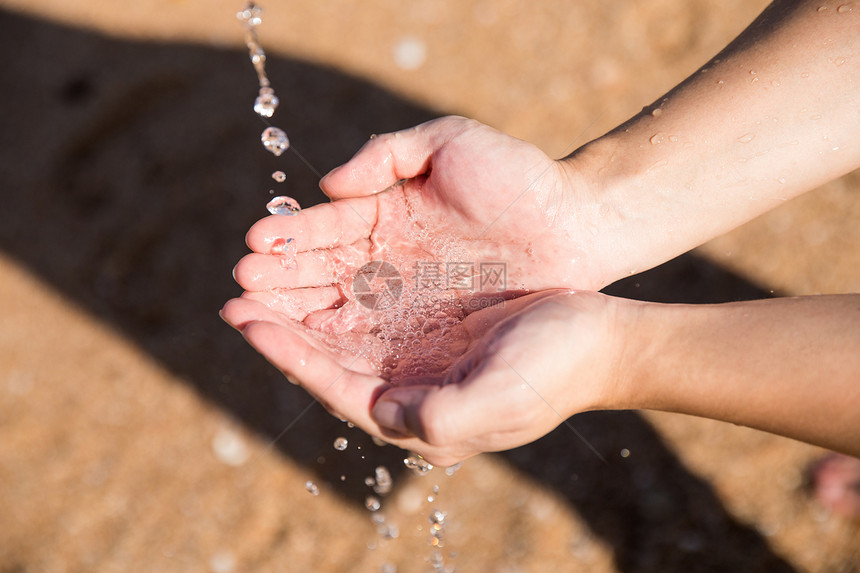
[(789, 366), (772, 116)]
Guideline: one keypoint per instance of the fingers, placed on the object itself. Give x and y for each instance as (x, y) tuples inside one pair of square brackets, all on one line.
[(297, 304), (385, 160), (238, 312), (443, 416), (341, 389), (319, 227), (256, 272)]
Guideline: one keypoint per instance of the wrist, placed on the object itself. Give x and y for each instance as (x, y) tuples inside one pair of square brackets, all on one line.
[(625, 233), (641, 333)]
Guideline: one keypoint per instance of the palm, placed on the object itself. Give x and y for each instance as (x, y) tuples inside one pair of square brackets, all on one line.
[(471, 201), (343, 381)]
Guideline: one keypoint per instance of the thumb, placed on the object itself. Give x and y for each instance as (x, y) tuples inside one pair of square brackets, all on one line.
[(398, 409), (385, 160)]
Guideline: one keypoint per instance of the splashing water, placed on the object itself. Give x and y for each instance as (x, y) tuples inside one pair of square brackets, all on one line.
[(312, 488), (340, 443), (266, 103), (283, 206), (383, 481), (279, 176), (275, 140), (372, 503), (418, 465)]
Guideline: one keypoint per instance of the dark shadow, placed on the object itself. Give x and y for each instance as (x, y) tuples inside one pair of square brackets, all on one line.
[(131, 172)]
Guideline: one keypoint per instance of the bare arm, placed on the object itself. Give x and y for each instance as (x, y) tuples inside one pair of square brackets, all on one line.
[(789, 366), (773, 115)]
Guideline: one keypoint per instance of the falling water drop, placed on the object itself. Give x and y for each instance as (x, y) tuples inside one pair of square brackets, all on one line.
[(372, 503), (312, 488), (275, 140), (266, 102), (383, 480), (340, 443), (279, 176), (251, 16), (449, 471), (283, 206), (418, 465)]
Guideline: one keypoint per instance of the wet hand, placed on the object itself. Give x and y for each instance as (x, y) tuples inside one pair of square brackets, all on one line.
[(530, 363), (448, 190)]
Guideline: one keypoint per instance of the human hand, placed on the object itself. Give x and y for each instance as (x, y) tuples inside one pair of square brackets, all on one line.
[(528, 364), (467, 193)]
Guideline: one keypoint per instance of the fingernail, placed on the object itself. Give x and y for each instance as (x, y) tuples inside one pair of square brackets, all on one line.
[(389, 414)]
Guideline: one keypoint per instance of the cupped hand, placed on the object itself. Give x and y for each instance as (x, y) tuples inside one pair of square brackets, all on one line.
[(450, 190), (529, 364)]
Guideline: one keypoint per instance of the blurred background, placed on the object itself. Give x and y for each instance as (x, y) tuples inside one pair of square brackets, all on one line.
[(139, 433)]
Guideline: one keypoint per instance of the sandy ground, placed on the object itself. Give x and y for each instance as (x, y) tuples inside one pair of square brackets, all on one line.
[(139, 433)]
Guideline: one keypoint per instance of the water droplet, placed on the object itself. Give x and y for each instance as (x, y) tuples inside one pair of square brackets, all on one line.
[(746, 138), (721, 82), (252, 15), (781, 180), (340, 443), (418, 465), (804, 75), (279, 176), (410, 53), (815, 116), (388, 568), (266, 102), (312, 488), (342, 477), (230, 448), (222, 562), (822, 8), (753, 72), (257, 55), (775, 83), (283, 206), (625, 453), (275, 140), (383, 480), (437, 516), (372, 503), (451, 470), (279, 246), (657, 111), (840, 61), (657, 138), (844, 9), (673, 138)]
